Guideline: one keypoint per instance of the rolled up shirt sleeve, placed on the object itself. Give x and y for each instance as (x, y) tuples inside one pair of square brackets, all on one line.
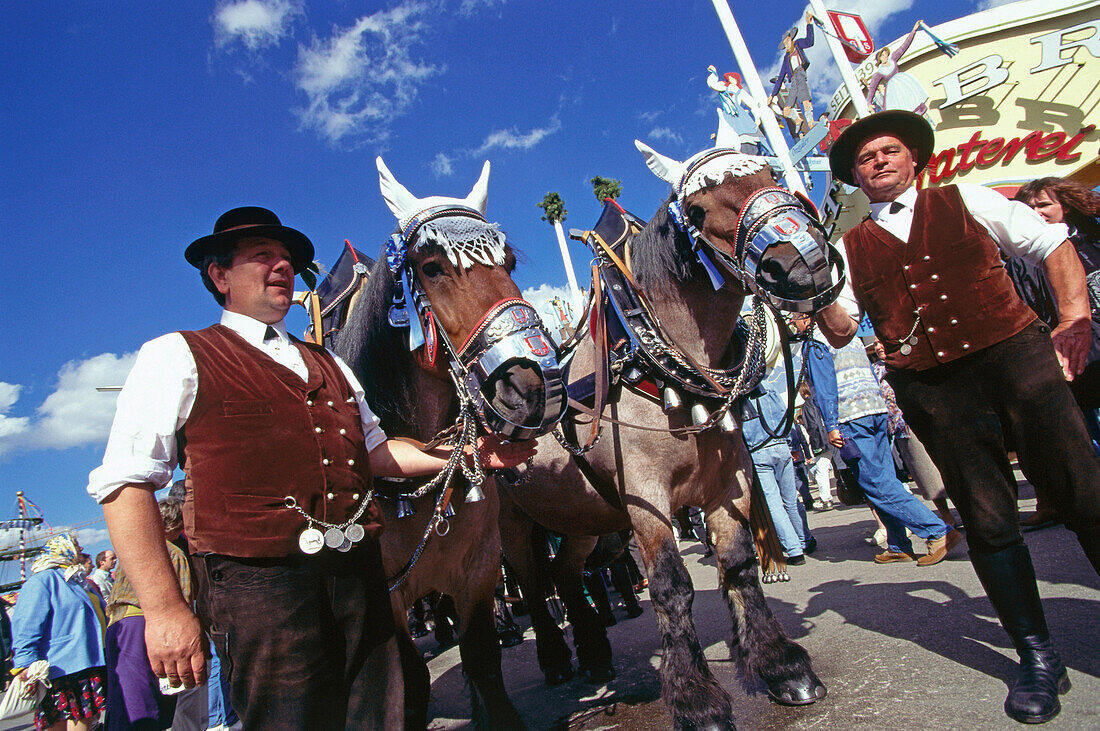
[(372, 429), (1014, 225), (152, 406)]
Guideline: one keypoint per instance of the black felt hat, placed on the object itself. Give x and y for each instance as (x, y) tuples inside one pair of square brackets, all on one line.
[(910, 128), (240, 223)]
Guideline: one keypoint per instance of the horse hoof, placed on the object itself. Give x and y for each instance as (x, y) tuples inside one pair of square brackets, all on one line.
[(598, 675), (559, 676), (801, 691)]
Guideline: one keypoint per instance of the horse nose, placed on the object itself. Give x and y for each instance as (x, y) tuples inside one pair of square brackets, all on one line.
[(784, 271), (517, 393)]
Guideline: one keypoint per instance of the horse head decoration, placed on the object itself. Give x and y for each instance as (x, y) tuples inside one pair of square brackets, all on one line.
[(770, 240), (506, 362)]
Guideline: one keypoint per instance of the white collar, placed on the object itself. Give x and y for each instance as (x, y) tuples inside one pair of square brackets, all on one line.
[(907, 199), (251, 329)]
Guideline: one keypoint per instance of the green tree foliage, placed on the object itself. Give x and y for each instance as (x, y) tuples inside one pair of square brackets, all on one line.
[(606, 188), (553, 208)]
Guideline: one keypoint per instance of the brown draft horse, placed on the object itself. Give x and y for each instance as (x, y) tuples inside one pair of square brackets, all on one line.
[(652, 474), (417, 400)]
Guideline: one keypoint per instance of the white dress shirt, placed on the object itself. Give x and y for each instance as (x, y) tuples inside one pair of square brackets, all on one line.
[(158, 397), (1015, 226)]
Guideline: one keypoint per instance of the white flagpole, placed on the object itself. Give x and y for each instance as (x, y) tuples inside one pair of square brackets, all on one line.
[(756, 89), (846, 73), (574, 291)]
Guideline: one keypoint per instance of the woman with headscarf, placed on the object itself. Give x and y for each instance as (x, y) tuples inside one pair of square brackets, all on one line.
[(59, 618)]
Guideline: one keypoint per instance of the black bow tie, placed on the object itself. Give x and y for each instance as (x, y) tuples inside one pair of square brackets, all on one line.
[(271, 334), (896, 207)]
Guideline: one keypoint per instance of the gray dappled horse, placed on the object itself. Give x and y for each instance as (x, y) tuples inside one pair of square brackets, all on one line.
[(645, 476), (455, 269)]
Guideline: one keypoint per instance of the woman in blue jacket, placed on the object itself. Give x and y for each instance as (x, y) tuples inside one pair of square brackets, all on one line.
[(59, 618)]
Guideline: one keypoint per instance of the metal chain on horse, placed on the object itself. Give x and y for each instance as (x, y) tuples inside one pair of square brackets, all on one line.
[(466, 426)]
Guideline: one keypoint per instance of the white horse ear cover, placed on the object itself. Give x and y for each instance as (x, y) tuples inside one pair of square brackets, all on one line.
[(665, 168), (466, 237), (406, 206), (705, 169)]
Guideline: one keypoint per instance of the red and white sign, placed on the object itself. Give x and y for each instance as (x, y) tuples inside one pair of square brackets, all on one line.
[(857, 41)]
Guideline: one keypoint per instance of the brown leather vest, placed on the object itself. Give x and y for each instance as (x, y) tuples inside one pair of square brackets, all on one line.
[(950, 270), (257, 434)]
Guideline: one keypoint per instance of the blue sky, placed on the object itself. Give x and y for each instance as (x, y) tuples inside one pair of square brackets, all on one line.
[(129, 127)]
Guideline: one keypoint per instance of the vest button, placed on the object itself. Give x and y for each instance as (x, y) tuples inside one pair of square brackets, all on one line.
[(330, 403), (966, 346), (931, 329), (318, 429), (943, 298), (906, 267), (355, 496), (939, 353), (912, 286), (351, 463), (343, 432), (309, 403), (954, 321), (927, 258), (935, 277), (330, 496), (325, 461)]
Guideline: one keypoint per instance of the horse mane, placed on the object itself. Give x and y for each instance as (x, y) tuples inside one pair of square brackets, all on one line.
[(661, 255), (379, 354)]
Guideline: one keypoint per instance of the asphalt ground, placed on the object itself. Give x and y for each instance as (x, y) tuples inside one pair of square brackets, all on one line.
[(898, 646)]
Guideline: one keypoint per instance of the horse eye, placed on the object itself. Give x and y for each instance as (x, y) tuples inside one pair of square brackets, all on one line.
[(697, 215), (431, 269)]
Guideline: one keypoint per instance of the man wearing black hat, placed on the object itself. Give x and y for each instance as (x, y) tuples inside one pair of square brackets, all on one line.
[(972, 367), (279, 448)]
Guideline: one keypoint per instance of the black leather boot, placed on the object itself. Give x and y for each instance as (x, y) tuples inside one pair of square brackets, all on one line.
[(1009, 580)]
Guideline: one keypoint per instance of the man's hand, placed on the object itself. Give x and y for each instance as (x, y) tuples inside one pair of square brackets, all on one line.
[(1072, 340), (836, 439), (496, 454), (176, 646)]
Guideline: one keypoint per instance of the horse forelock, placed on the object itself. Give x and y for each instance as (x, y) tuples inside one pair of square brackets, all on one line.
[(661, 255)]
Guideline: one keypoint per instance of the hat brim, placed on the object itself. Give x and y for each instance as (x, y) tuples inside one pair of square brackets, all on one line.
[(300, 247), (910, 128)]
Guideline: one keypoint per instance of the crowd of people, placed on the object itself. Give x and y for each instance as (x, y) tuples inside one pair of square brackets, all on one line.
[(969, 361)]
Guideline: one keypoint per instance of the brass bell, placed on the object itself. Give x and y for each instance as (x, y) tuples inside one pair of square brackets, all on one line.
[(727, 424), (699, 414), (672, 400), (405, 507), (474, 494)]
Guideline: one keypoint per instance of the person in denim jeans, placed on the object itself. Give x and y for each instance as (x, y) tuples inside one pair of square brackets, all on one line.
[(851, 403), (775, 468)]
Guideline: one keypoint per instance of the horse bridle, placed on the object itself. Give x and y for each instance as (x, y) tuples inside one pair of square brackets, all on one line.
[(769, 216), (511, 332)]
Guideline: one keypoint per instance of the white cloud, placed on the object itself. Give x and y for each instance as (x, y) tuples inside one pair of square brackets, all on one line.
[(513, 139), (987, 4), (469, 7), (75, 414), (441, 165), (92, 538), (362, 75), (255, 23), (665, 133), (650, 117), (10, 426)]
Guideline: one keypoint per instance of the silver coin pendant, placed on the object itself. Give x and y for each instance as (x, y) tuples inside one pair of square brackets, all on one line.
[(334, 537), (906, 349), (355, 532), (345, 546), (311, 540)]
